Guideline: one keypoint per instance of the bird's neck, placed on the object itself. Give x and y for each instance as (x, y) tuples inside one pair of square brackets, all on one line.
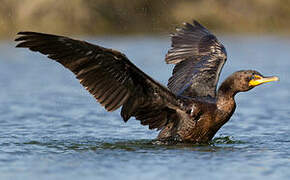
[(226, 95)]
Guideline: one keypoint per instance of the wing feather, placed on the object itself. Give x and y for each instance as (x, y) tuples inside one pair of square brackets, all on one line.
[(199, 58), (108, 75)]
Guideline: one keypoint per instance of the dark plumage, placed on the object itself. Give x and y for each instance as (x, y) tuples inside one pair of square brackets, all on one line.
[(189, 110)]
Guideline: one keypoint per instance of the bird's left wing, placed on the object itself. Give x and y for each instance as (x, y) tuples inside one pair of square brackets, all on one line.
[(109, 76), (199, 58)]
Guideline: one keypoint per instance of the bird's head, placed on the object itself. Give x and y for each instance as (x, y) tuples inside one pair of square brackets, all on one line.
[(247, 79)]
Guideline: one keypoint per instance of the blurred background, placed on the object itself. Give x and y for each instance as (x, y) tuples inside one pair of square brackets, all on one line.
[(94, 17)]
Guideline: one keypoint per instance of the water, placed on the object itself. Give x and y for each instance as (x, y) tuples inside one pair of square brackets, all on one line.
[(51, 128)]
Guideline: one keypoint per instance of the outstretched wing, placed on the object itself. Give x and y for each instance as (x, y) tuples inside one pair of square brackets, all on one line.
[(109, 76), (199, 58)]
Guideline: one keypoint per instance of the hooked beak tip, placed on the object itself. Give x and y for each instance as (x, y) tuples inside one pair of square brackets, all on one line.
[(270, 79)]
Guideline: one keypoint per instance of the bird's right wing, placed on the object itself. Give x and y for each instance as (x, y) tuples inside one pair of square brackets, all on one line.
[(109, 76), (199, 58)]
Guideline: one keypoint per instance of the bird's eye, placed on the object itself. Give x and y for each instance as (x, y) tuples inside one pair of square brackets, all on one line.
[(252, 77), (255, 77)]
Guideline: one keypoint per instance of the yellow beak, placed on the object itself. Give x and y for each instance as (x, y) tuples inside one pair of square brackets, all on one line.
[(261, 80)]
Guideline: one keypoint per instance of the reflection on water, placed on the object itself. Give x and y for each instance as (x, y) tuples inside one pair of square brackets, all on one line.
[(51, 128), (131, 145)]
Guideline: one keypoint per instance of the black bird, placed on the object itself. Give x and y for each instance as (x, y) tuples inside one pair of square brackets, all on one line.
[(189, 110)]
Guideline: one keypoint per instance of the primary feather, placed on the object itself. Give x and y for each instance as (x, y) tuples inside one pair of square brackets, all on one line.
[(108, 75), (199, 58)]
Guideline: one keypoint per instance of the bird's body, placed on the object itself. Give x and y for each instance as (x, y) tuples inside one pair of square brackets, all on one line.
[(189, 110), (202, 117)]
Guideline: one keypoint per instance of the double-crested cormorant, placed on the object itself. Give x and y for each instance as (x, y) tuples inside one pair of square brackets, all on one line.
[(189, 110)]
